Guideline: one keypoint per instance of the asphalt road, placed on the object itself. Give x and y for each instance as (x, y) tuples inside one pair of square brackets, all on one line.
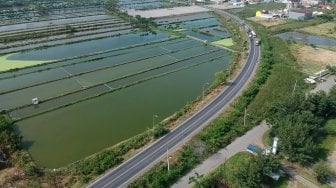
[(135, 166)]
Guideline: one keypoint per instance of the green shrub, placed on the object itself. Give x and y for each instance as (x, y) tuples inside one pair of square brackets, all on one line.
[(159, 130), (322, 172)]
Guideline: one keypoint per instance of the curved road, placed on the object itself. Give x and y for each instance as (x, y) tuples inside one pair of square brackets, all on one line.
[(138, 164)]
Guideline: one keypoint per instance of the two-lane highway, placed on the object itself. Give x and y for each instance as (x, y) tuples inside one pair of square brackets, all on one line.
[(128, 170)]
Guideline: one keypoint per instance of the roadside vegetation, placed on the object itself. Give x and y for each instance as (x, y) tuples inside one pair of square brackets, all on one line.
[(11, 153), (241, 170), (10, 141)]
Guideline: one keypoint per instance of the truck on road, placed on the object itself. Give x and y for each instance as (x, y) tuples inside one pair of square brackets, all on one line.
[(254, 35), (257, 42)]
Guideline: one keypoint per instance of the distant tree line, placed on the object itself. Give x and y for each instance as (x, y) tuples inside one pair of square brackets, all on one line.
[(145, 24)]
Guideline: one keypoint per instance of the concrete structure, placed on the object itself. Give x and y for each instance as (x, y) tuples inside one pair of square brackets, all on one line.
[(218, 1), (300, 14)]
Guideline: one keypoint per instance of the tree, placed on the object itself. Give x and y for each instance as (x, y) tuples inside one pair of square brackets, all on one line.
[(112, 5), (10, 141), (249, 175), (159, 130), (269, 164), (322, 172), (296, 140), (221, 77)]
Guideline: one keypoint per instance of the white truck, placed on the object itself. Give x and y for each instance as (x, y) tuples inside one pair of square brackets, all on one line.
[(254, 35)]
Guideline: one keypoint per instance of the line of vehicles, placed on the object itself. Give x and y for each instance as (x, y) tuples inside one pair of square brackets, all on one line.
[(252, 35)]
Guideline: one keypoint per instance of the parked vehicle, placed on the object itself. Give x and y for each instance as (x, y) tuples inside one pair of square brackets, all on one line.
[(253, 149)]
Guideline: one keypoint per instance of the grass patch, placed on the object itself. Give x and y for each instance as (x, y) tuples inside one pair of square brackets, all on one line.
[(227, 170), (325, 29), (6, 64), (179, 30), (268, 22), (331, 48), (224, 42), (266, 138), (284, 73), (291, 25)]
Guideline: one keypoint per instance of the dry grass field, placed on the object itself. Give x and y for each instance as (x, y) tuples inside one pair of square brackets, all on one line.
[(313, 59), (325, 29), (268, 22)]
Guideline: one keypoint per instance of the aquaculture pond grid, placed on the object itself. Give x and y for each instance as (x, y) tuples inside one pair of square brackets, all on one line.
[(97, 74), (202, 26)]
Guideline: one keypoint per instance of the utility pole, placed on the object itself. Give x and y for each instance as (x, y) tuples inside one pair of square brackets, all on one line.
[(245, 117), (294, 88), (229, 72)]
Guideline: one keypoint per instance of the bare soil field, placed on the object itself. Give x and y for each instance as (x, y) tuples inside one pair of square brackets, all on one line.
[(325, 29), (313, 59)]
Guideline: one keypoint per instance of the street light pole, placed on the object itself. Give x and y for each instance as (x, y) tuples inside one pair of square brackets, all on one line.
[(154, 116), (229, 72), (168, 157), (56, 178), (204, 87)]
